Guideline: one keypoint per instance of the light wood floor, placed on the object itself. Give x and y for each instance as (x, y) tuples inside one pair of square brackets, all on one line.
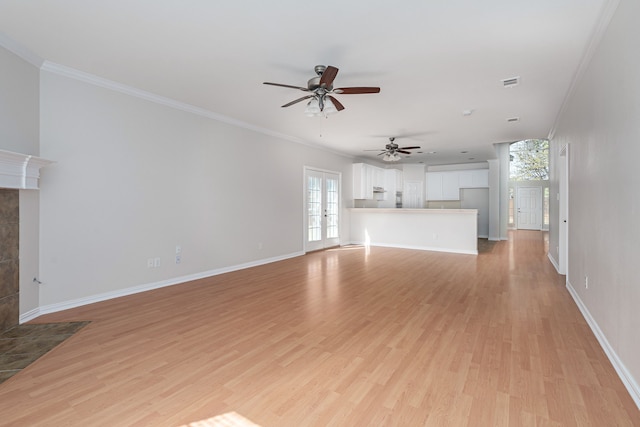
[(345, 337)]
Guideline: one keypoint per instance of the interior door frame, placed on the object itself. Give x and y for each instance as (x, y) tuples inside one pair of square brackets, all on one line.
[(305, 217), (563, 211)]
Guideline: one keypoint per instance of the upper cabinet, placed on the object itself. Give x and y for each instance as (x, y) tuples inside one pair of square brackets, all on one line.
[(362, 181), (443, 186), (367, 177), (476, 178), (446, 185)]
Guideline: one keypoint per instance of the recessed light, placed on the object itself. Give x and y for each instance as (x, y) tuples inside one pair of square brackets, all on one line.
[(467, 112), (472, 158), (513, 119), (463, 152)]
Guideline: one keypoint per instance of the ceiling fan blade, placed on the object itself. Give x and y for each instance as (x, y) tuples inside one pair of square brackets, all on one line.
[(289, 86), (337, 103), (403, 152), (328, 75), (356, 90), (409, 148), (298, 100), (375, 150)]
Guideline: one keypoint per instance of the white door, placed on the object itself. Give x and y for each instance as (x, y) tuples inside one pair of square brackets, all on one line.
[(529, 208), (322, 209)]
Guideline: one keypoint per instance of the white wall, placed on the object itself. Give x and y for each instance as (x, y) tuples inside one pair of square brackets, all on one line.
[(133, 179), (477, 198), (601, 126), (19, 132)]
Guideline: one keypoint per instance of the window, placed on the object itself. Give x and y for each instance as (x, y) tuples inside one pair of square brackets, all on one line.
[(529, 160)]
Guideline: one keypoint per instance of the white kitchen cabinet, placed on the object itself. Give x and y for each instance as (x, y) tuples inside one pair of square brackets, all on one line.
[(446, 185), (434, 186), (475, 178), (365, 178), (443, 185), (362, 181), (378, 176), (450, 186)]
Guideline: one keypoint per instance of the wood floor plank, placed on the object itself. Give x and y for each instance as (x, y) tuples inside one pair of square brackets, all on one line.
[(344, 337)]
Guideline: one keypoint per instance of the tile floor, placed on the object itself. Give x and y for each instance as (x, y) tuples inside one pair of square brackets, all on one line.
[(23, 344)]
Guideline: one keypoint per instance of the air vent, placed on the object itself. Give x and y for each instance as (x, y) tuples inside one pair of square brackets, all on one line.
[(513, 119), (513, 81)]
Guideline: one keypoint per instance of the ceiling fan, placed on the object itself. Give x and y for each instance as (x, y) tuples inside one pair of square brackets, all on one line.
[(391, 151), (321, 90)]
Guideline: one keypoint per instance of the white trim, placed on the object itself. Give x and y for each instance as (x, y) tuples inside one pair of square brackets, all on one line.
[(19, 50), (553, 261), (305, 211), (606, 14), (20, 171), (53, 308), (29, 315), (624, 374), (81, 76), (419, 248)]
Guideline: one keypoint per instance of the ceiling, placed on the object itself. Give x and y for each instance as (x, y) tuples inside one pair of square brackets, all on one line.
[(433, 60)]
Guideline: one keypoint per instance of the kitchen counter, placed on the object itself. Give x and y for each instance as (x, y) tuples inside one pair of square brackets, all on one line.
[(445, 230)]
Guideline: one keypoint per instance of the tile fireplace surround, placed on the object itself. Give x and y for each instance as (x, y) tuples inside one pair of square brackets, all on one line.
[(9, 279)]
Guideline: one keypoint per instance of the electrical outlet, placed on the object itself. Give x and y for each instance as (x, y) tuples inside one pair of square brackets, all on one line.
[(178, 249), (178, 259), (150, 263), (156, 262)]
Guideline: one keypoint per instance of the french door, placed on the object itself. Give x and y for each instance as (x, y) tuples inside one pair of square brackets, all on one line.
[(322, 209)]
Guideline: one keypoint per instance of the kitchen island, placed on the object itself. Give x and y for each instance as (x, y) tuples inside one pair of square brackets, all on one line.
[(445, 230)]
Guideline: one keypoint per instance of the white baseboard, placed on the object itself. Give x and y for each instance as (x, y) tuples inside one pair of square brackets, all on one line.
[(420, 248), (553, 261), (624, 374), (53, 308), (29, 315)]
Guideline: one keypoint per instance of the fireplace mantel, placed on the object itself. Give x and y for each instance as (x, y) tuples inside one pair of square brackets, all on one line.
[(20, 171)]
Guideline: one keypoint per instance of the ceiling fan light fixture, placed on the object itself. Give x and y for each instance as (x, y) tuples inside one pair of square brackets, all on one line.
[(313, 108), (329, 107), (391, 157)]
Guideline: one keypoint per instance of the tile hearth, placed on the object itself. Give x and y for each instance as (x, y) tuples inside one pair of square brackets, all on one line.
[(24, 344)]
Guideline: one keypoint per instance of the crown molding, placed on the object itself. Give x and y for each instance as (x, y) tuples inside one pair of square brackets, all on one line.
[(19, 50), (72, 73), (608, 10)]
